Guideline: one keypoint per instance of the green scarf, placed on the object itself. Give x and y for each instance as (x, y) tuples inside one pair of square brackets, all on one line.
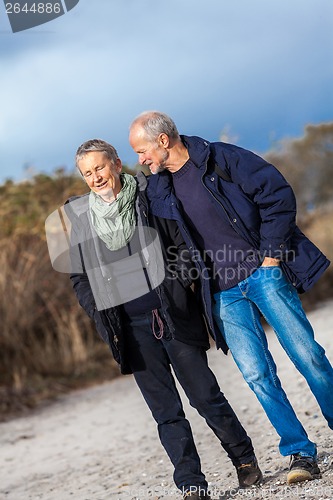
[(115, 223)]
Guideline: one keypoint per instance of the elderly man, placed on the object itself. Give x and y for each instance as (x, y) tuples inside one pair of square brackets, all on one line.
[(239, 212), (150, 321)]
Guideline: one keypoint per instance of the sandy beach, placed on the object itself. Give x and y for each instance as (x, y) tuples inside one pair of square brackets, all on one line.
[(101, 443)]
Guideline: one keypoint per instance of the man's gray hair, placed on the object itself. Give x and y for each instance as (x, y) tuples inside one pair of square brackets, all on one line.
[(155, 123), (96, 145)]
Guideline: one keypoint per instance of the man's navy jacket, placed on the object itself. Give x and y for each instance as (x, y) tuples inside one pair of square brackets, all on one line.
[(254, 197)]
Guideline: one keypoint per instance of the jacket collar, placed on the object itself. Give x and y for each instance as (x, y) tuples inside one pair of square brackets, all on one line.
[(198, 149), (162, 199)]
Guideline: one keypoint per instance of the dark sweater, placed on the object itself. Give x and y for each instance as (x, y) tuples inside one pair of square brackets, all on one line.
[(229, 257)]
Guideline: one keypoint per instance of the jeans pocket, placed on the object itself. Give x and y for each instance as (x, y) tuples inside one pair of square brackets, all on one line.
[(268, 279)]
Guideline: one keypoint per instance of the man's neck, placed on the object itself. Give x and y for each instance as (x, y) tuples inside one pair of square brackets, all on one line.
[(178, 157)]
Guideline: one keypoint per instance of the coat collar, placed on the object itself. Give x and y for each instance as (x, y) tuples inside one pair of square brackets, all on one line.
[(198, 149)]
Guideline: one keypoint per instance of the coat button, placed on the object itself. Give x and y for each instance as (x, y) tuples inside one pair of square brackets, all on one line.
[(212, 179), (234, 220), (282, 245)]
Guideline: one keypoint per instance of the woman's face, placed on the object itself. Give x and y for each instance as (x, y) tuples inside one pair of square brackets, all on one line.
[(101, 174)]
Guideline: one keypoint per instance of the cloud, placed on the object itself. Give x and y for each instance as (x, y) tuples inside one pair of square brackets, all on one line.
[(255, 66)]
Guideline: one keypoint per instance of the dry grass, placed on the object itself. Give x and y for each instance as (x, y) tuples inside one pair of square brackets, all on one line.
[(47, 344), (318, 226)]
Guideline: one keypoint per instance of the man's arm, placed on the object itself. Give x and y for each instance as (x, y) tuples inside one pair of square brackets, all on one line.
[(268, 189), (176, 252)]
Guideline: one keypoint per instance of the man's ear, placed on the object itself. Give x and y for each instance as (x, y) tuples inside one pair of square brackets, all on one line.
[(163, 140)]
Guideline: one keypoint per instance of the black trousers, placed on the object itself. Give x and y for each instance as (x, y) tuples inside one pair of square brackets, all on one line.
[(150, 360)]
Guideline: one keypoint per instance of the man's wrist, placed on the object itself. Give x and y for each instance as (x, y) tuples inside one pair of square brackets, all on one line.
[(270, 261)]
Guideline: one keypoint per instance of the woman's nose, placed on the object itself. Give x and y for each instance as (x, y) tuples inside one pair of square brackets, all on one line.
[(97, 175)]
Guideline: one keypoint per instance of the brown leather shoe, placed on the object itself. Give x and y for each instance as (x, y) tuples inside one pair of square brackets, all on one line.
[(249, 474)]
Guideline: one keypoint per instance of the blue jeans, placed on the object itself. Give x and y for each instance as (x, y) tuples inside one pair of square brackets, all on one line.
[(237, 312), (151, 360)]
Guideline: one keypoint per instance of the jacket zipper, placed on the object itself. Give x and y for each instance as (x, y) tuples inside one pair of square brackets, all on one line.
[(231, 221), (158, 289)]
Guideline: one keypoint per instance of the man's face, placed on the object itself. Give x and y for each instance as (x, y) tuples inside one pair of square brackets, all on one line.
[(150, 153), (101, 175)]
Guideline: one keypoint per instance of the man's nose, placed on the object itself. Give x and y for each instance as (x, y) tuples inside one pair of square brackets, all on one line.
[(141, 159)]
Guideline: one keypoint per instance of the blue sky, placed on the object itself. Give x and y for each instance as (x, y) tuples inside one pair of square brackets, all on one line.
[(259, 69)]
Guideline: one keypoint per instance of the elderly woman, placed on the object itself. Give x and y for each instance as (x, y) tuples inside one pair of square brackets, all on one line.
[(130, 272)]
